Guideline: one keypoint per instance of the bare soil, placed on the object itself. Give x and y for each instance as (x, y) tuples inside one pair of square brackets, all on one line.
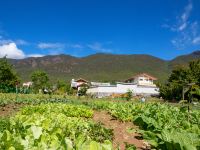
[(120, 130), (9, 109)]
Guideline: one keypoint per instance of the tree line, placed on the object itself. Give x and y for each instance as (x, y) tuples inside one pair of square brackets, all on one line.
[(10, 81)]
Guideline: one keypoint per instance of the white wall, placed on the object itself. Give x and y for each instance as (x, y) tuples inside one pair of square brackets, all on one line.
[(102, 91), (147, 90)]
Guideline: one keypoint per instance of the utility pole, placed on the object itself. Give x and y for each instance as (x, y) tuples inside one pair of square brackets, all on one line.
[(189, 85)]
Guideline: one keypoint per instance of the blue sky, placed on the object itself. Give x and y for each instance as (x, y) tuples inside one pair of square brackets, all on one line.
[(162, 28)]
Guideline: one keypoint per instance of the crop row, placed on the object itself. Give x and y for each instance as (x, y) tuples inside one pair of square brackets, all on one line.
[(8, 98), (164, 126), (54, 126)]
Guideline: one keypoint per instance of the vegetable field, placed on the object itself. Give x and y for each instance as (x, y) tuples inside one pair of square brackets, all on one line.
[(54, 126), (162, 125), (56, 122)]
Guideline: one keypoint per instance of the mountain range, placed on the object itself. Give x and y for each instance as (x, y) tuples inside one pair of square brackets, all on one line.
[(100, 67)]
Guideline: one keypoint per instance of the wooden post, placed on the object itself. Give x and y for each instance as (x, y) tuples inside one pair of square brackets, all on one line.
[(16, 89)]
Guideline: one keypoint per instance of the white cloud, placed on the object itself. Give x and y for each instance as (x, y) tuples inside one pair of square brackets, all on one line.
[(11, 51), (187, 11), (35, 55), (17, 42), (99, 47), (187, 32), (182, 20), (4, 41), (21, 42), (196, 40), (75, 46), (183, 26), (51, 45)]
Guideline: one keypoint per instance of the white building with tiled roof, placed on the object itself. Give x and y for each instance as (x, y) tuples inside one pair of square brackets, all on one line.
[(142, 79), (78, 83)]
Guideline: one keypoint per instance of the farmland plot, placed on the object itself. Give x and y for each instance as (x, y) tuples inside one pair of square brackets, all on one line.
[(59, 123), (54, 126), (163, 126)]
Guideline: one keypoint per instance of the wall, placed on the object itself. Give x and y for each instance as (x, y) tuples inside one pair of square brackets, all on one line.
[(103, 91)]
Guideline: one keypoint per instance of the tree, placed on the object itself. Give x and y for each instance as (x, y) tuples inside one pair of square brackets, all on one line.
[(195, 91), (69, 89), (128, 95), (181, 81), (40, 80), (195, 71), (83, 90), (64, 87), (180, 75), (8, 76), (171, 91)]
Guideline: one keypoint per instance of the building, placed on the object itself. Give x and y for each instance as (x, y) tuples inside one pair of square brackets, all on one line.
[(78, 83), (141, 84), (142, 80)]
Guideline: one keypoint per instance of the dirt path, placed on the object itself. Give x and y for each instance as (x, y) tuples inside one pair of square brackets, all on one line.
[(120, 130)]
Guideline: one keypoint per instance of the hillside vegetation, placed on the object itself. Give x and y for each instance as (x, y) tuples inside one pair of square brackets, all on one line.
[(100, 67)]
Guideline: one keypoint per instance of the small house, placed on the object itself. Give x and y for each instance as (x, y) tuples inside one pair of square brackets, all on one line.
[(142, 79), (78, 83)]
